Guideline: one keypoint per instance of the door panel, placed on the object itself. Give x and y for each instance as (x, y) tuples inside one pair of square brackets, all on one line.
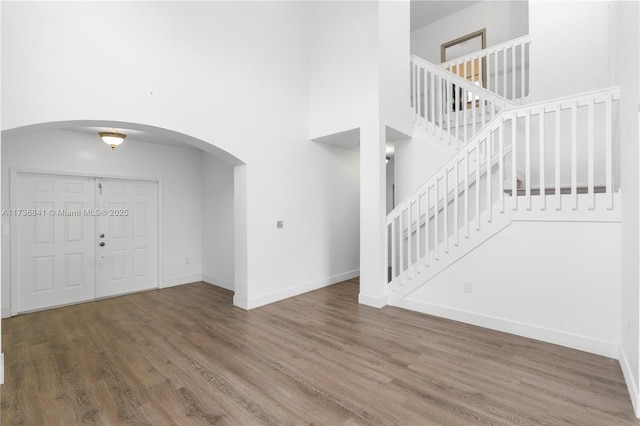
[(43, 280), (58, 256), (128, 261), (55, 250)]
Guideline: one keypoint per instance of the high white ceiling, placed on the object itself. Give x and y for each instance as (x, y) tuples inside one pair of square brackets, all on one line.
[(425, 12)]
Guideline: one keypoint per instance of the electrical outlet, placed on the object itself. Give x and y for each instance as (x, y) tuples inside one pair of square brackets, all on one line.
[(467, 287), (280, 224)]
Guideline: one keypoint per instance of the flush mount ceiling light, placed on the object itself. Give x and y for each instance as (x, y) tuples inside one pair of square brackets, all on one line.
[(112, 138)]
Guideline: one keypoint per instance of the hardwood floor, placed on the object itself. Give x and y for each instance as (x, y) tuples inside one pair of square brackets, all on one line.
[(185, 355)]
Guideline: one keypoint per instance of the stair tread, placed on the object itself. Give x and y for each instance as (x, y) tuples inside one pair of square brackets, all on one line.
[(552, 191)]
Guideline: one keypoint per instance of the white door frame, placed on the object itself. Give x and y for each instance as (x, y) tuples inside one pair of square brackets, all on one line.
[(13, 199)]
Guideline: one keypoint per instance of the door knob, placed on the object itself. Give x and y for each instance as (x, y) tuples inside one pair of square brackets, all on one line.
[(102, 244)]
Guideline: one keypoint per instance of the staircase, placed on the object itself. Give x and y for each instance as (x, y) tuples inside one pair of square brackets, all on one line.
[(546, 161), (449, 106)]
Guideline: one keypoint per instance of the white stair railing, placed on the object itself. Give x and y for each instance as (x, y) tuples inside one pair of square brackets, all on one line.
[(502, 69), (448, 105), (553, 150)]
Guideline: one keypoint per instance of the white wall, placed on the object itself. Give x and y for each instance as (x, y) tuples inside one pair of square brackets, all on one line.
[(217, 219), (416, 160), (343, 74), (178, 169), (627, 53), (319, 208), (504, 20), (552, 281), (394, 42), (201, 68), (1, 304), (358, 79), (232, 74), (571, 47)]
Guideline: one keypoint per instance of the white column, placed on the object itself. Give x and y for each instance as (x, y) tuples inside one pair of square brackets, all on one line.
[(373, 268), (240, 297), (1, 353), (389, 107), (628, 66)]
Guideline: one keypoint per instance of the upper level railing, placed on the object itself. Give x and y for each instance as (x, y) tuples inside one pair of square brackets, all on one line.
[(502, 69), (449, 105), (551, 151)]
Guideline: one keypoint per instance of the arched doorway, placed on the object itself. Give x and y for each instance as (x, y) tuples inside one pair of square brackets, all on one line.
[(174, 160)]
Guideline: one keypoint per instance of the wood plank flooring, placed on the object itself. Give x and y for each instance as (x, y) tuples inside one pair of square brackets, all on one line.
[(186, 356)]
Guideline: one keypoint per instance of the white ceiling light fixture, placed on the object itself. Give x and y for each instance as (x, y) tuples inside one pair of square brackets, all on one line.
[(112, 138)]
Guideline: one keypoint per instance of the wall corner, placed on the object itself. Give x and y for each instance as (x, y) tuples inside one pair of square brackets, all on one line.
[(632, 385), (373, 301)]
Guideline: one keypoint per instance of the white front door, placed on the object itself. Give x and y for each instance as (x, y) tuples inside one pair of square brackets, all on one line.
[(127, 236), (78, 238), (55, 246)]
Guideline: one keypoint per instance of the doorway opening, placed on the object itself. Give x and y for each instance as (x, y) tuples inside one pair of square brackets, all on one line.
[(473, 70)]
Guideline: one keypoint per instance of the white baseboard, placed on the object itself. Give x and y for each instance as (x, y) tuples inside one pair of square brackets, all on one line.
[(558, 337), (172, 282), (632, 385), (218, 282), (241, 302), (375, 302), (276, 296), (6, 310)]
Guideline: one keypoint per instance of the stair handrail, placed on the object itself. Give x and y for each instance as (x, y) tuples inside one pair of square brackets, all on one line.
[(428, 183), (493, 67), (439, 100), (564, 101), (526, 39), (462, 82)]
